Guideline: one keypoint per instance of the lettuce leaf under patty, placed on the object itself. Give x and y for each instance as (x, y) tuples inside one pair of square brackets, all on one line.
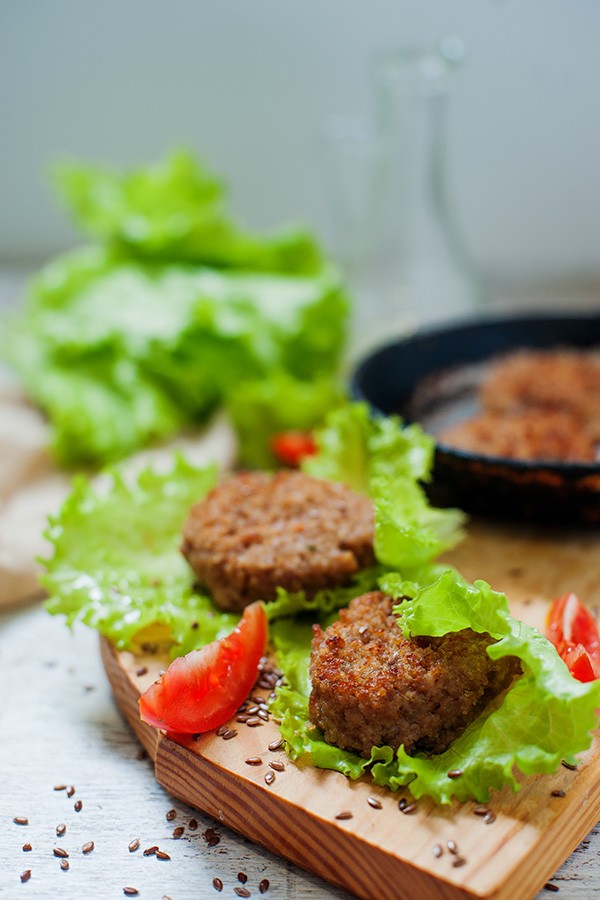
[(116, 564), (117, 567), (544, 717)]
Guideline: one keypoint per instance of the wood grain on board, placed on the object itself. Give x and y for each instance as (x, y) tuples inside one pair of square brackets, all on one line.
[(383, 853)]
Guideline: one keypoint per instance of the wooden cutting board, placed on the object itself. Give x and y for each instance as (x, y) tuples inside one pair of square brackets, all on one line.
[(382, 852)]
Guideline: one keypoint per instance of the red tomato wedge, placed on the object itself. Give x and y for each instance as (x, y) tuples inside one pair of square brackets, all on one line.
[(574, 632), (203, 689), (290, 447)]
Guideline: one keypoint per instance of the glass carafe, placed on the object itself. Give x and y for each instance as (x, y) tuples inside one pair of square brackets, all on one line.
[(427, 274)]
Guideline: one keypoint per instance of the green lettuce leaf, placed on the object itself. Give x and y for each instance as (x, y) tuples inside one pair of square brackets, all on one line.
[(360, 449), (388, 460), (262, 407), (324, 602), (133, 339), (119, 355), (176, 211), (544, 717), (116, 564)]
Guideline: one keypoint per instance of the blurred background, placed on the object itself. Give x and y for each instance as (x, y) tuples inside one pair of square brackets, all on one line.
[(248, 86)]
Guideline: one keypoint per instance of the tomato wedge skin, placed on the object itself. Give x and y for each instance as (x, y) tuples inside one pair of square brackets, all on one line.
[(580, 663), (204, 689), (573, 630), (291, 447)]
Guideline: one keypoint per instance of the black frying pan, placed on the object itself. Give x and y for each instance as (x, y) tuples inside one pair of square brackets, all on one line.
[(432, 377)]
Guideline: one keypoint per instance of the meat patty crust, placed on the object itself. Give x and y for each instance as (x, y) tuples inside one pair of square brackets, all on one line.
[(373, 687), (255, 532)]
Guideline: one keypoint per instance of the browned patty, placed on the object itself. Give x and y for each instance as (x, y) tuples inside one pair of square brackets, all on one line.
[(554, 435), (373, 687), (255, 532), (567, 380)]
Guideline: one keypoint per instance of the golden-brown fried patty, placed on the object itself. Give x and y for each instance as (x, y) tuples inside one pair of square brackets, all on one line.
[(255, 532), (373, 687)]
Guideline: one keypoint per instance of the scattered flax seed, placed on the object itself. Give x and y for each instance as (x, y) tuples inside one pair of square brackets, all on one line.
[(62, 854), (60, 787), (177, 832), (64, 864), (549, 886), (171, 815), (150, 851), (230, 733), (269, 777), (217, 884), (141, 671), (70, 790), (558, 793), (458, 862), (344, 814), (278, 766), (193, 824), (242, 877), (87, 847), (455, 773), (264, 886), (253, 761), (130, 891), (160, 854), (481, 811), (60, 829), (20, 820), (451, 845), (402, 804), (253, 721), (211, 837), (437, 850), (374, 802), (27, 848), (134, 845), (78, 806), (263, 714), (26, 875), (242, 718), (242, 892), (407, 810), (571, 768), (276, 745), (489, 817), (221, 730)]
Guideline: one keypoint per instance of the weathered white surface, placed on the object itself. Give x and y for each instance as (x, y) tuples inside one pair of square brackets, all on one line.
[(59, 725)]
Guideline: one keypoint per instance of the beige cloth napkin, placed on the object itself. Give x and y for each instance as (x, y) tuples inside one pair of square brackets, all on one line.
[(31, 488)]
